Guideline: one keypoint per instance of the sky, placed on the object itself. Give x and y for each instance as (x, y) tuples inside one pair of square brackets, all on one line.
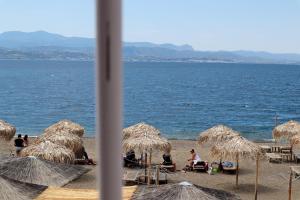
[(259, 25)]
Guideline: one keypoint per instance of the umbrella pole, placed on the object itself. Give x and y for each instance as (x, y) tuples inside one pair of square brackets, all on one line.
[(291, 152), (149, 168), (290, 185), (237, 171), (256, 179), (145, 165)]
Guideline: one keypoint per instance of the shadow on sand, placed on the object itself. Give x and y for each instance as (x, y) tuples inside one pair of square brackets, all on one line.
[(248, 188)]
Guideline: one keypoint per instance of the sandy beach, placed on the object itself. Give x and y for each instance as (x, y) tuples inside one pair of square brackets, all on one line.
[(273, 181)]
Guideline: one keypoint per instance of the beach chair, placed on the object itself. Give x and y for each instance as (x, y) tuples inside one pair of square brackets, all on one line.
[(265, 148), (132, 176), (201, 166), (296, 170), (229, 167), (168, 164), (286, 149), (273, 157), (162, 176), (130, 160), (296, 156), (168, 168)]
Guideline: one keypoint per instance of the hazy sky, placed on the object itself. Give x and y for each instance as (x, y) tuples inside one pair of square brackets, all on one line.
[(270, 25)]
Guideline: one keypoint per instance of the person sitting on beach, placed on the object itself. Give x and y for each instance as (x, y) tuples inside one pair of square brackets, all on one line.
[(192, 161), (89, 161), (167, 159), (25, 141), (168, 164), (130, 159), (19, 144)]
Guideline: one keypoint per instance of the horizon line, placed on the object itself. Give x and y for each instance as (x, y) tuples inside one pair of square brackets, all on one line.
[(158, 43)]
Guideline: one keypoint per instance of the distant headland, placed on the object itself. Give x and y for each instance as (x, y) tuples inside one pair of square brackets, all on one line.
[(41, 45)]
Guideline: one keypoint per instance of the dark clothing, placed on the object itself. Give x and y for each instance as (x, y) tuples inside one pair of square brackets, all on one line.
[(85, 155), (130, 155), (167, 159), (130, 159), (19, 142)]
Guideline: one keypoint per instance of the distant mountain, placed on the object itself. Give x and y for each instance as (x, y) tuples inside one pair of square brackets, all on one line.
[(184, 47), (49, 46), (18, 39)]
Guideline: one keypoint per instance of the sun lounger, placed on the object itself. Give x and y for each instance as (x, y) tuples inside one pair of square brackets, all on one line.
[(275, 148), (286, 149), (297, 156), (296, 170), (162, 176), (201, 166), (132, 176), (273, 157), (170, 168), (229, 167), (266, 148)]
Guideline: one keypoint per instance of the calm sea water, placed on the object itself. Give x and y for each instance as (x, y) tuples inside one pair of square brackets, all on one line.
[(181, 99)]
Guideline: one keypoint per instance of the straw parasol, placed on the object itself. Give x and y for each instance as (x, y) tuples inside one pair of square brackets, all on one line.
[(7, 131), (139, 129), (65, 125), (181, 191), (15, 190), (286, 130), (63, 138), (217, 133), (236, 148), (37, 171), (295, 140), (49, 151), (146, 142)]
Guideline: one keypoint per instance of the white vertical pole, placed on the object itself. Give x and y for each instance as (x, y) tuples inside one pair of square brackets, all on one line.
[(109, 98)]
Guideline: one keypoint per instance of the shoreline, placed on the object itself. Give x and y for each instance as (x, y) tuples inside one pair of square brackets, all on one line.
[(171, 139)]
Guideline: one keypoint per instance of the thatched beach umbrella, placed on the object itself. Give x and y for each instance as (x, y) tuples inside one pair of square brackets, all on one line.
[(286, 130), (7, 131), (237, 148), (146, 142), (180, 191), (49, 151), (37, 171), (295, 140), (63, 138), (65, 125), (216, 134), (139, 129), (16, 190)]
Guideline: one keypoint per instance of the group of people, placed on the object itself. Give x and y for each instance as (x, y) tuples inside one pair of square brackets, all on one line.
[(130, 160), (20, 143)]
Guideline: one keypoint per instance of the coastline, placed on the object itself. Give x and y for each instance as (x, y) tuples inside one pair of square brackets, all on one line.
[(171, 139)]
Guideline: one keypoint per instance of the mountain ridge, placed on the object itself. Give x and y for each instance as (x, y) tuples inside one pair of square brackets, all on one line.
[(51, 46)]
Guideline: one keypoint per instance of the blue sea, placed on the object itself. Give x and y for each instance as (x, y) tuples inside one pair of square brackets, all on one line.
[(181, 99)]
